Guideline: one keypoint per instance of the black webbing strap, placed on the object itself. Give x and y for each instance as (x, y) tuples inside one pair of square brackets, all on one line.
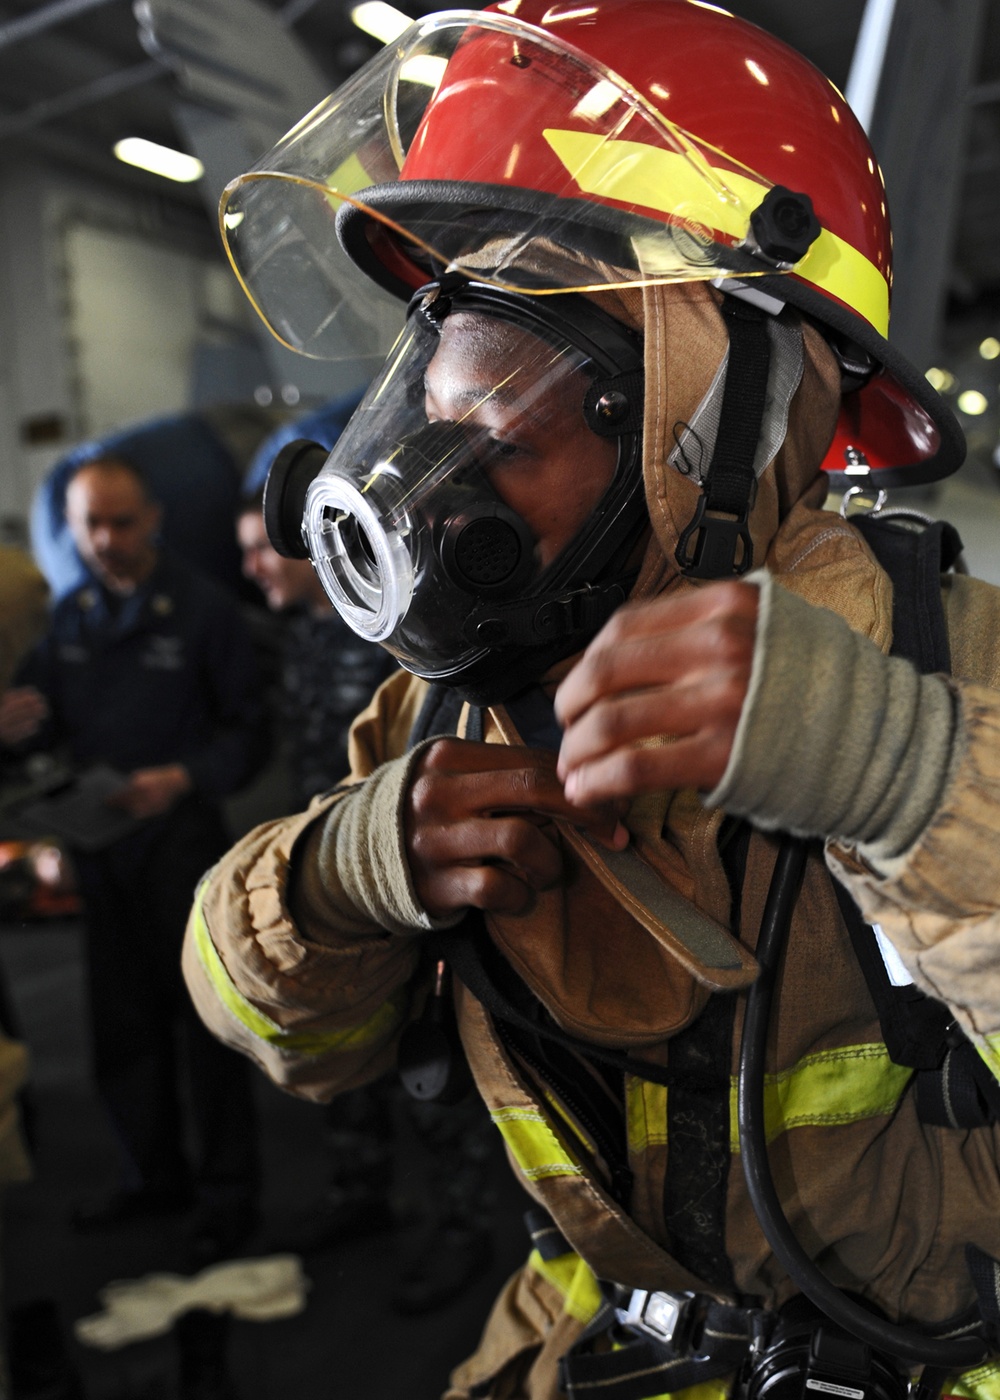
[(696, 1178), (545, 1234), (985, 1272), (714, 1342), (960, 1093), (481, 968), (953, 1087), (716, 541), (915, 561)]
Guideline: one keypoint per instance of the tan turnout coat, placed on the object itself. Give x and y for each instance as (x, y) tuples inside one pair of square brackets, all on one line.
[(885, 1204)]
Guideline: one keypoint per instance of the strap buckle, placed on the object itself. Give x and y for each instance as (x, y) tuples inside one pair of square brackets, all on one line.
[(664, 1316), (715, 546)]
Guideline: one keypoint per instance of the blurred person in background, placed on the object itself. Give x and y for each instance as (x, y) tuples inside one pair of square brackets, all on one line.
[(23, 618), (147, 668), (328, 675)]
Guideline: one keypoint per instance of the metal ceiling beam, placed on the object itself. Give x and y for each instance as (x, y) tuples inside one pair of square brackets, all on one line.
[(52, 108), (36, 21)]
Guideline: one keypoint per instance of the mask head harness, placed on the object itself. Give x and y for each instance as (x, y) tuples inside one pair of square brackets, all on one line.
[(415, 545)]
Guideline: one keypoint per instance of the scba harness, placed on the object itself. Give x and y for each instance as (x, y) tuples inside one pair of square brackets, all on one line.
[(642, 1345)]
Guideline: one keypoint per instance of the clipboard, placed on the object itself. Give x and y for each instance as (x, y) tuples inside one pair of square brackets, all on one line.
[(78, 812)]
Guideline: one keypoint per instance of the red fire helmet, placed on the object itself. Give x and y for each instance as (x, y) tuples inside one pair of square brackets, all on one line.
[(651, 140)]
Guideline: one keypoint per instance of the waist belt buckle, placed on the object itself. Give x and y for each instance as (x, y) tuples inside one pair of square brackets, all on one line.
[(664, 1316)]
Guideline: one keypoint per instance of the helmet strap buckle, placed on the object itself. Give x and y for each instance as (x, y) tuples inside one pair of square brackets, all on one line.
[(715, 546)]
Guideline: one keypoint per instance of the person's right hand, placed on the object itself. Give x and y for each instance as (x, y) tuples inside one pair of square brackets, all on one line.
[(23, 710), (475, 826)]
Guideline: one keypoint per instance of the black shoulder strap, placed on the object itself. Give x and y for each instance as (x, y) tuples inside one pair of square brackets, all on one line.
[(915, 559), (482, 968), (918, 1030)]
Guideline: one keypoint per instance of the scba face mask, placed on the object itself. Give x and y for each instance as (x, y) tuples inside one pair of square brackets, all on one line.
[(477, 515)]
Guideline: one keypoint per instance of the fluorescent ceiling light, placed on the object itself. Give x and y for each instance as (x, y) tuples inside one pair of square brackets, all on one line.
[(159, 160), (424, 68), (380, 20)]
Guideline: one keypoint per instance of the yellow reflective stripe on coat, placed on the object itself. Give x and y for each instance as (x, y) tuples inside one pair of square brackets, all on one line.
[(298, 1042), (988, 1047), (646, 1113), (533, 1145), (667, 181), (573, 1279), (981, 1383), (706, 1390), (828, 1089)]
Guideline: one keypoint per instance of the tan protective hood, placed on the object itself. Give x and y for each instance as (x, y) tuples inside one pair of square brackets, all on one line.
[(602, 973)]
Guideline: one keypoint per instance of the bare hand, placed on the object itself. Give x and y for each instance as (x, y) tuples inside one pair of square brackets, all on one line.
[(150, 792), (677, 666), (475, 826), (23, 710)]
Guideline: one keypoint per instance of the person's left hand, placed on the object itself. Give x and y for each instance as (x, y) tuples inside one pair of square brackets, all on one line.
[(150, 792), (677, 666)]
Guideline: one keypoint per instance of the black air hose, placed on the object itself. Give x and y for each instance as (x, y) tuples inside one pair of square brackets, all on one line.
[(955, 1354)]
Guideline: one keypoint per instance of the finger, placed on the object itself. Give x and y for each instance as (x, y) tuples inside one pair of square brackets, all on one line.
[(438, 798), (486, 887), (708, 702), (516, 844), (469, 756), (661, 641), (696, 761)]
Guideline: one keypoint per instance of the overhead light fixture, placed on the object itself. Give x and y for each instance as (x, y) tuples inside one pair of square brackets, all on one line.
[(940, 379), (381, 21), (972, 402), (159, 160)]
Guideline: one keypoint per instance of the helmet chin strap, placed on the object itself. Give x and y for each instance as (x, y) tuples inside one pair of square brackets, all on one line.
[(716, 541)]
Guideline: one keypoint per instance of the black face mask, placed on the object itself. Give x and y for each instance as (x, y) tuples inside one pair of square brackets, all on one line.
[(407, 521)]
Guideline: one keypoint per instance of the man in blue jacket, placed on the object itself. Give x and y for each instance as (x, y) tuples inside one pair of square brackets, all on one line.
[(147, 669)]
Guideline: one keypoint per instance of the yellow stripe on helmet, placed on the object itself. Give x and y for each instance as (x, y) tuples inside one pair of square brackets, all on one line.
[(649, 177)]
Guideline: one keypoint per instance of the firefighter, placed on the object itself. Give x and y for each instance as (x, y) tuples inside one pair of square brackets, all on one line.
[(667, 741)]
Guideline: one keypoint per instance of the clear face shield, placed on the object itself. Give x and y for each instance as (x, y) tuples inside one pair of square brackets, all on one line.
[(460, 487), (474, 130)]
